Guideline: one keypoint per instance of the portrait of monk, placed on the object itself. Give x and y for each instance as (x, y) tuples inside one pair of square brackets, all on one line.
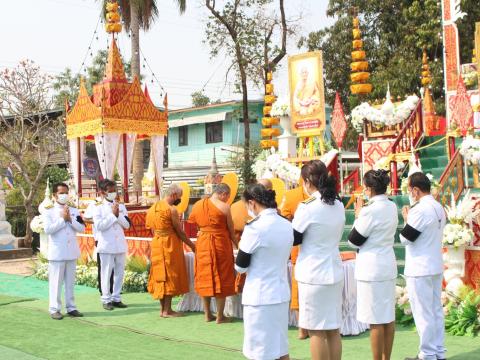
[(306, 98)]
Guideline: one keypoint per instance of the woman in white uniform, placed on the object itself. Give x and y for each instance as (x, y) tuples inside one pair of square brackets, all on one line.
[(318, 226), (373, 235), (263, 254)]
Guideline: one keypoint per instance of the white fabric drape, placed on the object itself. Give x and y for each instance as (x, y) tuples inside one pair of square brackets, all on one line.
[(73, 150), (130, 147), (107, 151), (157, 146)]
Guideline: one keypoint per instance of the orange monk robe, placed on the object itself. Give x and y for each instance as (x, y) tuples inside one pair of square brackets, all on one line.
[(168, 271), (214, 269), (288, 207), (240, 217)]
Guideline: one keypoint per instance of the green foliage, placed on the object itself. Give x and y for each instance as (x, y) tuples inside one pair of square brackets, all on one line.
[(403, 318), (200, 99), (464, 318), (243, 166), (137, 264)]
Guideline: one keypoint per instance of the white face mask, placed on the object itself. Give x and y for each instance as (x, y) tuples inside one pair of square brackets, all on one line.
[(62, 199), (411, 199), (305, 190), (250, 212), (111, 196)]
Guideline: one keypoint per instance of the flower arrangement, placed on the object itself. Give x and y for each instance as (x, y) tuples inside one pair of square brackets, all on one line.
[(465, 212), (457, 235), (280, 108), (403, 310), (37, 224), (386, 116), (135, 278), (462, 313), (470, 149)]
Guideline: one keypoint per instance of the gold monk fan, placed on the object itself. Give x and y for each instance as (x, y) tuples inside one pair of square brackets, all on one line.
[(231, 179), (279, 187), (182, 207)]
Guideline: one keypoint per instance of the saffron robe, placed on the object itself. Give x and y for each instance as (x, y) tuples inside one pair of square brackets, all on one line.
[(168, 270), (214, 262)]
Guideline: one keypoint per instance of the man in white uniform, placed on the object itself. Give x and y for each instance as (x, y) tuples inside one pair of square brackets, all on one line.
[(422, 236), (62, 222), (110, 219)]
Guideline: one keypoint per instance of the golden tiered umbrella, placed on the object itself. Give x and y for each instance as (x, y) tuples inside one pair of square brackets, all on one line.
[(268, 131), (359, 66)]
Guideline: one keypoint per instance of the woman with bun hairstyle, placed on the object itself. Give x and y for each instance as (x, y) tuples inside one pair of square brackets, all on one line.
[(318, 226), (263, 254), (373, 235)]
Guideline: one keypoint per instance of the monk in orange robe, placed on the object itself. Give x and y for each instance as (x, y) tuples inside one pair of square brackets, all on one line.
[(168, 271), (214, 266), (288, 207)]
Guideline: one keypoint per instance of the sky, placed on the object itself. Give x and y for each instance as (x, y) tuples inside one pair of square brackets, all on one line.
[(56, 34)]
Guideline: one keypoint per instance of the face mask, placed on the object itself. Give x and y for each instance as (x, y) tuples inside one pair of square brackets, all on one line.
[(305, 190), (176, 202), (111, 196), (411, 199), (62, 199), (251, 213)]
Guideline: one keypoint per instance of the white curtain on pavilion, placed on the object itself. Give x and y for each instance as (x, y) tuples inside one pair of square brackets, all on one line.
[(73, 150), (107, 152), (130, 147), (157, 145)]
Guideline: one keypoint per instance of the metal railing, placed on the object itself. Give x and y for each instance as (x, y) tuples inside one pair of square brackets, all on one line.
[(351, 182), (452, 180)]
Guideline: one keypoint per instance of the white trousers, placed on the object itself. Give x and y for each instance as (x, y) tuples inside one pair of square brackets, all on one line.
[(115, 263), (425, 299), (60, 272)]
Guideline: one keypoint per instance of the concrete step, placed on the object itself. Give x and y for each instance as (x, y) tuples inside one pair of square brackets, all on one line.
[(20, 253)]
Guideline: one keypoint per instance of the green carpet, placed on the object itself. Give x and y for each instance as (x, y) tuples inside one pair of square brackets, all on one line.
[(139, 333)]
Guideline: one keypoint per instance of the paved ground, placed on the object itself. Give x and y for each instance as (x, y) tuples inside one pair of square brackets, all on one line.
[(17, 266)]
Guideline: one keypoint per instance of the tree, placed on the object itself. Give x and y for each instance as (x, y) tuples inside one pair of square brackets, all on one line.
[(200, 99), (243, 31), (67, 84), (136, 15), (28, 136)]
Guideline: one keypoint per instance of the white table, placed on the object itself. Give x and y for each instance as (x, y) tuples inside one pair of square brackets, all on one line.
[(233, 306)]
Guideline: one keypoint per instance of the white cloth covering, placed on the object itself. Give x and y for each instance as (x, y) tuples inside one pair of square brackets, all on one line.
[(376, 301), (115, 263), (107, 151), (233, 305), (130, 148), (265, 331), (60, 272), (320, 306), (425, 299)]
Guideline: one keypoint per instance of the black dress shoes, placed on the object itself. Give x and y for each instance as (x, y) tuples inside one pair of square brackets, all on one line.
[(119, 305), (108, 306), (75, 313)]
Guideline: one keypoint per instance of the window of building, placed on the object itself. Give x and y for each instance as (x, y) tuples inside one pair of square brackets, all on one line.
[(183, 136), (214, 132)]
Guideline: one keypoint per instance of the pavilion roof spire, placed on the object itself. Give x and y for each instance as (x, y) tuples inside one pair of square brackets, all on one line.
[(114, 70)]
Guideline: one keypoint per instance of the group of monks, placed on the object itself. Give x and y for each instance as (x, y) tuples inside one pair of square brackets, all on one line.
[(219, 231)]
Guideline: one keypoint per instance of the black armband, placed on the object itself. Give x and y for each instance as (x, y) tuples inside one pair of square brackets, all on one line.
[(243, 259), (80, 220), (128, 220), (410, 233), (297, 237), (356, 238)]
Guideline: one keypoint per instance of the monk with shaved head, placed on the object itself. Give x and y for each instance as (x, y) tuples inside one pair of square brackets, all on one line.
[(214, 268)]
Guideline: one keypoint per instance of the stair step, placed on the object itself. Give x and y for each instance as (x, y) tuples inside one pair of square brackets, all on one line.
[(434, 162), (19, 253), (432, 152)]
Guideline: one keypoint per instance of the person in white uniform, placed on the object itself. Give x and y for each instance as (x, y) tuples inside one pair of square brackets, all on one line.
[(110, 219), (373, 235), (318, 225), (422, 236), (62, 222), (264, 251)]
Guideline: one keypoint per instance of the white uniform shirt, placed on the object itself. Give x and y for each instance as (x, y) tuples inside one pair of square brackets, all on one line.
[(319, 260), (109, 229), (423, 255), (377, 222), (62, 239), (269, 239)]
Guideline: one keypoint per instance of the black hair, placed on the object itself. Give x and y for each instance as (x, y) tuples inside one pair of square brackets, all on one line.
[(317, 174), (421, 181), (58, 185), (260, 194), (105, 184), (378, 180)]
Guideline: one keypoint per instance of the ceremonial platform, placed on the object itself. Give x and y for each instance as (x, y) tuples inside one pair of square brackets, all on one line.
[(139, 333)]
